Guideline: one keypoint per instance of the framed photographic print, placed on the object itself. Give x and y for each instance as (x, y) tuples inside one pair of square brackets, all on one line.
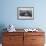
[(25, 13)]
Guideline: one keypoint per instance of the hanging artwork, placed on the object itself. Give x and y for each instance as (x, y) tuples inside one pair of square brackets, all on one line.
[(25, 13)]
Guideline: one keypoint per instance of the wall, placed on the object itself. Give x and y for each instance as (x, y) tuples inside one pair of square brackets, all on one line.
[(8, 13)]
